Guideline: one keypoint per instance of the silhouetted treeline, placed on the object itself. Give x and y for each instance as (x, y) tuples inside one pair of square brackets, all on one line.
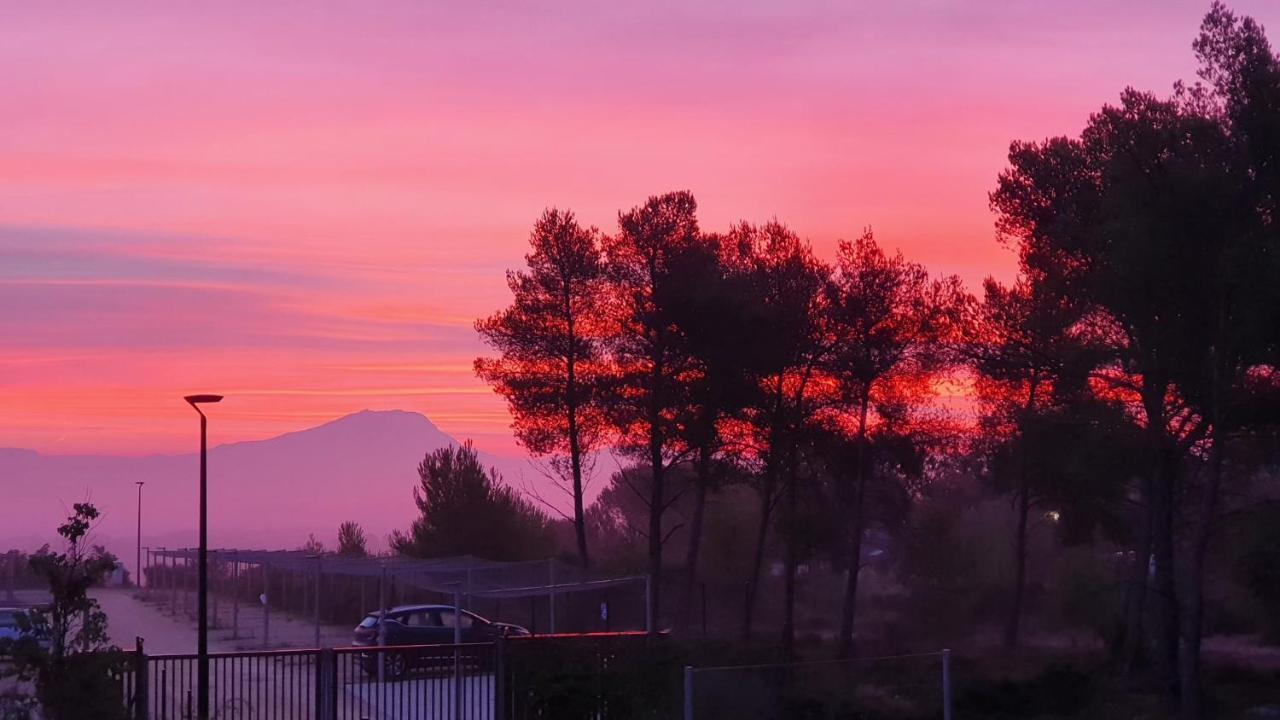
[(1124, 388)]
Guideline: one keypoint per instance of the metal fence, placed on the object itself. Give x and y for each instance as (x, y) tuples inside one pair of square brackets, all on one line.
[(596, 676), (417, 682)]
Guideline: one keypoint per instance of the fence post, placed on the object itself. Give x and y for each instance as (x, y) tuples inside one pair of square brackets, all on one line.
[(235, 597), (500, 679), (316, 609), (457, 655), (688, 692), (551, 594), (946, 685), (648, 605), (266, 607), (326, 684), (12, 556), (173, 586), (213, 594), (382, 630), (704, 611), (141, 684)]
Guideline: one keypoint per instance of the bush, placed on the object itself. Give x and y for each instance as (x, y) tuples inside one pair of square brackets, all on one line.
[(1060, 690), (1258, 565), (1087, 596)]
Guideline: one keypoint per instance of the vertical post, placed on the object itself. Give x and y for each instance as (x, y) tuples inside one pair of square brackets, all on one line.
[(173, 585), (688, 692), (648, 606), (137, 564), (214, 593), (235, 596), (13, 574), (326, 684), (551, 592), (266, 606), (141, 684), (704, 611), (202, 602), (316, 617), (946, 685), (382, 626), (457, 654), (500, 679)]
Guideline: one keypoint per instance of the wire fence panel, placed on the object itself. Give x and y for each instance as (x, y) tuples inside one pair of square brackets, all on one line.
[(902, 687)]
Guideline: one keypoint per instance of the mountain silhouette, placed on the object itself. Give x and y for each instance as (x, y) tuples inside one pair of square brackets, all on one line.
[(262, 494)]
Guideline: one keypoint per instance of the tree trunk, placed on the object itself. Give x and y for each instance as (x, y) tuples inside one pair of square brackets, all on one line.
[(1135, 595), (1166, 645), (1014, 620), (762, 536), (848, 612), (792, 560), (575, 442), (1019, 567), (1165, 661), (695, 533), (1193, 612), (656, 507), (579, 512)]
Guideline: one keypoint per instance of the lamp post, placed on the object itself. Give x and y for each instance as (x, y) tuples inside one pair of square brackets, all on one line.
[(202, 600), (137, 563)]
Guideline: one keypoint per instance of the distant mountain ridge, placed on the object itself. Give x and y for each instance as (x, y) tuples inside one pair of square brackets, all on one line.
[(262, 493)]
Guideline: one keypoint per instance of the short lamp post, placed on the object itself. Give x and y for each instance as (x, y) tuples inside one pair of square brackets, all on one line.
[(202, 607)]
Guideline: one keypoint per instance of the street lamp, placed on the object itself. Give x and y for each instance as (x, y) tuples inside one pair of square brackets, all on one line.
[(202, 606), (137, 562)]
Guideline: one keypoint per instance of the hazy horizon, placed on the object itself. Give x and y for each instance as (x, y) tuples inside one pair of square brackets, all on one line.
[(359, 467)]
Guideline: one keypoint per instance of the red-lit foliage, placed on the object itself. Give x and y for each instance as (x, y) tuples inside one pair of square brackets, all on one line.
[(551, 367)]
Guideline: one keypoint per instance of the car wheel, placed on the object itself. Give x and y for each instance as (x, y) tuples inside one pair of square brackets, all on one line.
[(397, 666)]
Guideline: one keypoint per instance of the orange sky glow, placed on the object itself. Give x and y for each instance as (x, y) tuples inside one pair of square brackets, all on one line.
[(305, 206)]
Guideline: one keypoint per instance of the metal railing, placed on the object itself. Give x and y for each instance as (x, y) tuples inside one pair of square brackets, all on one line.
[(415, 682)]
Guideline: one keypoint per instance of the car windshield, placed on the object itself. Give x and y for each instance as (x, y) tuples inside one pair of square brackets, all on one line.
[(369, 621)]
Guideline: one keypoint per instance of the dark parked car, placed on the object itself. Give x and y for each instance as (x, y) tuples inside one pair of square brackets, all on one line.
[(423, 625), (15, 627)]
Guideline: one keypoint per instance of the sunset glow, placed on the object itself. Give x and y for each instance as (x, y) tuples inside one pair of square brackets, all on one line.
[(305, 206)]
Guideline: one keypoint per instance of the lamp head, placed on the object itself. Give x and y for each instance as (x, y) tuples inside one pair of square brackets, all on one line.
[(198, 399)]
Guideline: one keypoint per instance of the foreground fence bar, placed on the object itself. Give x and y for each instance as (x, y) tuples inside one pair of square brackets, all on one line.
[(423, 682), (946, 685), (141, 682)]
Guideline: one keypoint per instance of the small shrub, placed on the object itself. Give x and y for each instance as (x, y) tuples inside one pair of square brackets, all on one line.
[(1060, 691)]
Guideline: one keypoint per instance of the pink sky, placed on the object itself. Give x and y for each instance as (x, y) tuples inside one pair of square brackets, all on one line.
[(305, 205)]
